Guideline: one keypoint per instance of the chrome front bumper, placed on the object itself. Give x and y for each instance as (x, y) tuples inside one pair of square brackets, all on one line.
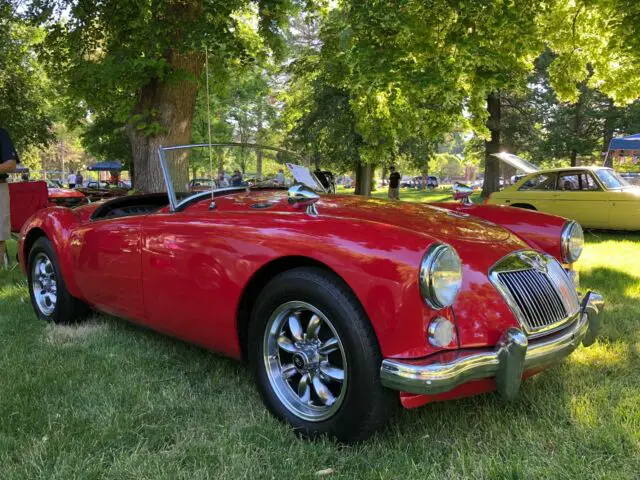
[(513, 356)]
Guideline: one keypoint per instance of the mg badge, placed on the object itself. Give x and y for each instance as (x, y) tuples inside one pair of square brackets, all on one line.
[(534, 261)]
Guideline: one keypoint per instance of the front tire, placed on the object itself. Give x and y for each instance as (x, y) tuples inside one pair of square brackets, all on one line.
[(49, 295), (316, 358)]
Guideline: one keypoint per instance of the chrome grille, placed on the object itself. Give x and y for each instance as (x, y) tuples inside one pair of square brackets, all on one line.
[(537, 289)]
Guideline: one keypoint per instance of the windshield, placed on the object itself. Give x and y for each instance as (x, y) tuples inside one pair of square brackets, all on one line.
[(611, 179), (188, 169)]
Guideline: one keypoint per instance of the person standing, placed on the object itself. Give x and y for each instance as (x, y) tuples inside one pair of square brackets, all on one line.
[(394, 184), (236, 179), (279, 178), (79, 179), (71, 180), (9, 160)]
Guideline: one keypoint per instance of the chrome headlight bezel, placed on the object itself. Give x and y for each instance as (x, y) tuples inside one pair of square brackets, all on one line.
[(571, 242), (429, 288)]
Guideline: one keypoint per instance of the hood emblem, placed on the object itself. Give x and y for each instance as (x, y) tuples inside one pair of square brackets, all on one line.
[(534, 261)]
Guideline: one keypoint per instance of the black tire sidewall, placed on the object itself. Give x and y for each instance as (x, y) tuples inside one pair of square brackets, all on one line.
[(365, 399), (63, 311)]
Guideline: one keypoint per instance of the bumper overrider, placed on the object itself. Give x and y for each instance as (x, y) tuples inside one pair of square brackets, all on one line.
[(513, 355)]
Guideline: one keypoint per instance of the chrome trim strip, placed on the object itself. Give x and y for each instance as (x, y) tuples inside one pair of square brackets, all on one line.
[(513, 355)]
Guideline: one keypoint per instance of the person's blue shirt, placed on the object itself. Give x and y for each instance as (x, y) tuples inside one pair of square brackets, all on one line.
[(7, 150)]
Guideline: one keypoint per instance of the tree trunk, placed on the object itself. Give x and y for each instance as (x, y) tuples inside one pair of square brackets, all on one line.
[(609, 126), (363, 179), (259, 151), (384, 175), (425, 174), (576, 124), (492, 164), (574, 157), (170, 104)]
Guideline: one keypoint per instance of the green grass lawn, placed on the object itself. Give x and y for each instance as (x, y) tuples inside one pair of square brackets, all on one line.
[(110, 400)]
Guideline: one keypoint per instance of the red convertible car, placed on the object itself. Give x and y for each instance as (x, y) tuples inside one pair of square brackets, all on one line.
[(65, 197), (343, 306)]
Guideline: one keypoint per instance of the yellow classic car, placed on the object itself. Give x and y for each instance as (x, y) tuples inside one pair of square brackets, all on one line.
[(596, 197)]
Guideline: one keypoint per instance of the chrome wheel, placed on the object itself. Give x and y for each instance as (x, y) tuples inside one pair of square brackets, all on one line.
[(44, 284), (305, 361)]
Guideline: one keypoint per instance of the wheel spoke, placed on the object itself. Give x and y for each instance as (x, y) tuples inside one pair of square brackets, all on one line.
[(285, 344), (314, 327), (332, 373), (295, 327), (329, 346), (288, 371), (323, 392), (304, 389), (41, 268)]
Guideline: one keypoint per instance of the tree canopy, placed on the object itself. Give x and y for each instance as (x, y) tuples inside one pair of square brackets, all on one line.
[(354, 86)]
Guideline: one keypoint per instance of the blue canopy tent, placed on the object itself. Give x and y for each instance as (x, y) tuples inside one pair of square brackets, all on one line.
[(107, 166), (626, 150)]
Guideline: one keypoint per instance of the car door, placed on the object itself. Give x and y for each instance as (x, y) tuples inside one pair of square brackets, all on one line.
[(580, 197), (186, 271), (195, 264), (536, 191), (106, 255)]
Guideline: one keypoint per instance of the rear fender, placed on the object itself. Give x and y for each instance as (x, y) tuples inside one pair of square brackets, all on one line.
[(56, 223)]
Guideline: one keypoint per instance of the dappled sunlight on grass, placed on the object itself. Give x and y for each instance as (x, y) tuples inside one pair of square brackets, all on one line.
[(11, 291), (71, 334), (603, 355)]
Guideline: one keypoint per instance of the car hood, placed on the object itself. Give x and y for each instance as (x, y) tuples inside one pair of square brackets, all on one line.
[(431, 221), (435, 221)]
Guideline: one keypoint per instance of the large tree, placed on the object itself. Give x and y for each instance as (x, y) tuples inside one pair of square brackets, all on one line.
[(27, 100), (141, 62)]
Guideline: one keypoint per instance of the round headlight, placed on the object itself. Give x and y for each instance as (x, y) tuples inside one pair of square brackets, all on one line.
[(440, 276), (441, 332), (572, 242)]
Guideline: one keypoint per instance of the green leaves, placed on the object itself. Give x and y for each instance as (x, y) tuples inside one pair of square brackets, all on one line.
[(27, 99)]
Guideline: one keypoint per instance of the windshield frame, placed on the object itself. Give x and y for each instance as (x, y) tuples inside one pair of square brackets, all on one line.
[(174, 204), (610, 171)]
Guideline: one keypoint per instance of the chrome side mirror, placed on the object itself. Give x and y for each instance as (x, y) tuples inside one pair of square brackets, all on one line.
[(300, 196), (462, 192)]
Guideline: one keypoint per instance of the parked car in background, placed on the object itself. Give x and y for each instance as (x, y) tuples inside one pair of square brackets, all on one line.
[(64, 197), (596, 197), (416, 182), (96, 190), (344, 306), (632, 178)]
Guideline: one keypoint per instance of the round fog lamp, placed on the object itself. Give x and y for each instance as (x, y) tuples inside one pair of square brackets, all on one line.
[(441, 332)]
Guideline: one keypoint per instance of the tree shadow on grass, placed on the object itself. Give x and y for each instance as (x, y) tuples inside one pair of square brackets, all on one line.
[(621, 321)]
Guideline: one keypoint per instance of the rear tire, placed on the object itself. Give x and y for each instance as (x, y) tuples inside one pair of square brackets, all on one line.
[(316, 359), (50, 298)]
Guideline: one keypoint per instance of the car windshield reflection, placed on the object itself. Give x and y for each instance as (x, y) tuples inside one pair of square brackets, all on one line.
[(611, 179), (193, 171)]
